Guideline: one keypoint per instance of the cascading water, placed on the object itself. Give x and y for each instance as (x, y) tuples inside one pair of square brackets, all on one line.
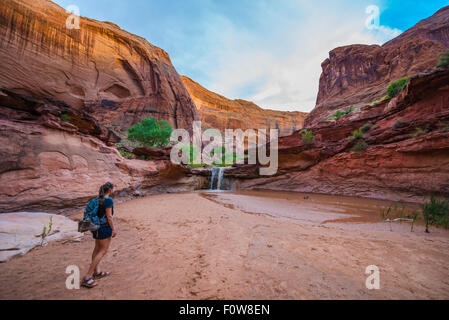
[(213, 177), (216, 175), (220, 178)]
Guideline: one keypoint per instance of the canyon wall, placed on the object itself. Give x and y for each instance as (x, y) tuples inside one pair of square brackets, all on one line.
[(405, 157), (359, 74), (117, 77), (61, 93), (218, 112), (50, 162)]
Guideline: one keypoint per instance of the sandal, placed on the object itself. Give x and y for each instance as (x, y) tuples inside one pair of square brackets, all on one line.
[(89, 283), (101, 275)]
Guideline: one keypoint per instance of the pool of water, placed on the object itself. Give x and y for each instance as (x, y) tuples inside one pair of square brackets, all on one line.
[(324, 210)]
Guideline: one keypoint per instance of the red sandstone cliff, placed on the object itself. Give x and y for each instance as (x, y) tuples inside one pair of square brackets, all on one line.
[(359, 74), (54, 156), (405, 152), (221, 113), (115, 76), (60, 90), (406, 156)]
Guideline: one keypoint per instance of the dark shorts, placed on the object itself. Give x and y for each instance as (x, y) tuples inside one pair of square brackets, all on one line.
[(105, 232)]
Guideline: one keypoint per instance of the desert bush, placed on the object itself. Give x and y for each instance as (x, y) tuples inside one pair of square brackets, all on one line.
[(151, 133), (379, 100), (360, 146), (307, 136), (194, 152), (341, 113), (396, 87), (65, 117), (418, 133), (356, 134), (127, 155), (145, 158), (399, 124), (436, 212), (444, 61), (366, 127)]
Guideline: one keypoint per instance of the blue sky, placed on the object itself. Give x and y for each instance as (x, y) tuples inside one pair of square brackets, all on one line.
[(266, 51)]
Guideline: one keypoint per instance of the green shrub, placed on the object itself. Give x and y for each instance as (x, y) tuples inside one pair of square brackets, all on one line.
[(444, 126), (418, 133), (356, 135), (65, 117), (307, 136), (399, 124), (436, 212), (151, 133), (126, 154), (193, 151), (444, 61), (367, 127), (379, 100), (396, 87), (341, 113), (201, 165), (360, 146)]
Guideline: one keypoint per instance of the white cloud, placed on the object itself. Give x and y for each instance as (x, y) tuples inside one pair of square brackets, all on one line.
[(280, 69)]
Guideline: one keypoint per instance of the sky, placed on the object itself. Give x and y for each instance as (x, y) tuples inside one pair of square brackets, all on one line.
[(266, 51)]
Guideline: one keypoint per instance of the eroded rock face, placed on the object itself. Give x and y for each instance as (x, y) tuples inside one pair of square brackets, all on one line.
[(407, 155), (43, 168), (54, 157), (359, 74), (61, 91), (117, 77), (221, 113)]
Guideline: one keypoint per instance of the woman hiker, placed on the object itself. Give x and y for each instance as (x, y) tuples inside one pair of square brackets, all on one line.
[(102, 236)]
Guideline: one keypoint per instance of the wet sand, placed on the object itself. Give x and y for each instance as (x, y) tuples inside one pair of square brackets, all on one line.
[(316, 209), (188, 246)]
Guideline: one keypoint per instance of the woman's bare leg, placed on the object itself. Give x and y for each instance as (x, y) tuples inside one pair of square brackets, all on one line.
[(103, 246), (96, 249)]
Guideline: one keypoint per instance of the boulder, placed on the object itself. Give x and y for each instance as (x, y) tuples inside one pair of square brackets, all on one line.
[(21, 232)]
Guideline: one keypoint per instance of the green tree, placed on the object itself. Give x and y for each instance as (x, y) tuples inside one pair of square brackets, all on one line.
[(151, 133)]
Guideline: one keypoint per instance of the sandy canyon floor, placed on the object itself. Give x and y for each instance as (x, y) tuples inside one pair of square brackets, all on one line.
[(199, 246)]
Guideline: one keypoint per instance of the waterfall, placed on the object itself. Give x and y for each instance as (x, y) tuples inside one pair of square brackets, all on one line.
[(220, 178), (213, 177), (216, 174)]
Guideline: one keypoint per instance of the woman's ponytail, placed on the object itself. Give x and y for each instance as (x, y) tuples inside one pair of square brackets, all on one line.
[(101, 196), (103, 190)]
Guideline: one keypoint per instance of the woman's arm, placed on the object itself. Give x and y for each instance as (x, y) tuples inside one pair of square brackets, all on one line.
[(111, 221)]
